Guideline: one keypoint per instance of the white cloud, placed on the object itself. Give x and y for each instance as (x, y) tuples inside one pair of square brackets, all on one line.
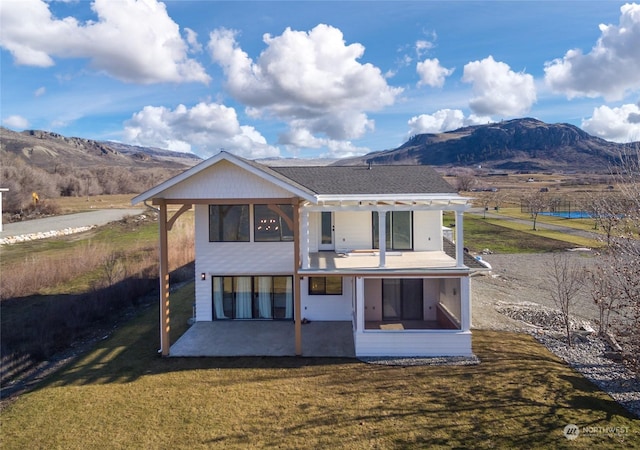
[(497, 89), (192, 40), (300, 138), (432, 73), (16, 122), (443, 120), (40, 91), (611, 68), (620, 124), (204, 129), (311, 79), (134, 41)]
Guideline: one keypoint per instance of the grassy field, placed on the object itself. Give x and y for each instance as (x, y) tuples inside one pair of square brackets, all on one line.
[(122, 395), (502, 236)]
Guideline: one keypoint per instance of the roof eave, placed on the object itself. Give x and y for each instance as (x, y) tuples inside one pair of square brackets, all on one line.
[(255, 168)]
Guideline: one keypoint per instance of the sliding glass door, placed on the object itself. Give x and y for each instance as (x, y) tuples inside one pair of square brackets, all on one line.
[(402, 299), (257, 297)]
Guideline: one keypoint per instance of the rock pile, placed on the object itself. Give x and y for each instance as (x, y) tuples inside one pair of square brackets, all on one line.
[(590, 354), (43, 235)]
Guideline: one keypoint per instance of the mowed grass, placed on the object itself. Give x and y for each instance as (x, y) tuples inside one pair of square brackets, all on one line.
[(123, 395), (502, 236)]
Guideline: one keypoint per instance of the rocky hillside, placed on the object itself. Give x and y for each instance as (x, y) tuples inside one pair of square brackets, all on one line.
[(519, 144), (45, 150)]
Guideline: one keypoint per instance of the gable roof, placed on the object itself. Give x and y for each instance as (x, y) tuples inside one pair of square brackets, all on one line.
[(310, 182), (362, 180), (260, 170)]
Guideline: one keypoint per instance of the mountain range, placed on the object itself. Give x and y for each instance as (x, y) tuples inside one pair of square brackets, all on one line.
[(45, 149), (514, 145)]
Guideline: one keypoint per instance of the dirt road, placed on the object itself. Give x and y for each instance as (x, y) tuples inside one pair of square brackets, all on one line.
[(77, 220)]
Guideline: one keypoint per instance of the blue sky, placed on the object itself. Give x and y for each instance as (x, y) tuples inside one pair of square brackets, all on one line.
[(311, 79)]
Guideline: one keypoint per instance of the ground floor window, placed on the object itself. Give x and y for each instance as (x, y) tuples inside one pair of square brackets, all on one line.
[(325, 285), (252, 297), (402, 299)]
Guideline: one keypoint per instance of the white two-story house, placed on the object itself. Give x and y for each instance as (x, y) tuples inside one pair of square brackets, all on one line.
[(357, 245)]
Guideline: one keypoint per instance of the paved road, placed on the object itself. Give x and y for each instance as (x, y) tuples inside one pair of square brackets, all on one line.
[(539, 225), (83, 219)]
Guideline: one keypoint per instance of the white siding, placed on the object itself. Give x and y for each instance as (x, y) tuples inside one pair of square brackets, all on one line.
[(233, 258), (373, 299), (327, 307), (431, 291), (413, 343), (353, 230), (427, 230), (226, 180)]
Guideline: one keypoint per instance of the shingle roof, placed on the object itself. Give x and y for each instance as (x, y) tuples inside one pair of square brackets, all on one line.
[(469, 261), (360, 180)]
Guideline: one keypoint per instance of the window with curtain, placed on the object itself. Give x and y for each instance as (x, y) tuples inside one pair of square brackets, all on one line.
[(228, 223), (273, 223), (252, 297), (399, 226)]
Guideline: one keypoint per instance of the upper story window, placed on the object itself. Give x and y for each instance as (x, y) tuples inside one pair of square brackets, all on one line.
[(228, 223), (399, 226), (272, 223)]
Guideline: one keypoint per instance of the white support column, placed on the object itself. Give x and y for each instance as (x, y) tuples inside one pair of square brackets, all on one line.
[(465, 304), (359, 281), (459, 239), (382, 237), (304, 239)]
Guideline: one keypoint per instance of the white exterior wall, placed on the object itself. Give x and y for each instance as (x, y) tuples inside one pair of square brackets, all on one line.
[(226, 180), (450, 295), (233, 258), (352, 230), (412, 343), (431, 292), (427, 230), (373, 299), (327, 307)]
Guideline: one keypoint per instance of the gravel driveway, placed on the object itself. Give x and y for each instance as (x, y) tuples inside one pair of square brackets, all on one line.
[(518, 278)]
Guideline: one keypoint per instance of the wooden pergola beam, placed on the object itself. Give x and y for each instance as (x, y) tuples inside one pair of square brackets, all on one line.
[(165, 325)]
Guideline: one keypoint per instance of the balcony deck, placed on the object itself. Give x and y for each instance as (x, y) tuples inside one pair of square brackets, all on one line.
[(367, 261)]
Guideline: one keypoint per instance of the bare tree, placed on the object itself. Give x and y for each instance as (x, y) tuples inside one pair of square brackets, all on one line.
[(622, 260), (466, 182), (565, 282), (603, 292), (608, 211), (535, 202)]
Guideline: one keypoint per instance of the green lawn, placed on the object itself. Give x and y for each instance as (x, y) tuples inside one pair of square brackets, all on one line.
[(502, 236), (123, 395)]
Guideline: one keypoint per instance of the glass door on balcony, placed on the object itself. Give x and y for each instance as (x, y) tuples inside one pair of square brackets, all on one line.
[(327, 229)]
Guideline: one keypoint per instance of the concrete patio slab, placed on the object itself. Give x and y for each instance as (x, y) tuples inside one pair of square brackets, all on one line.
[(265, 338)]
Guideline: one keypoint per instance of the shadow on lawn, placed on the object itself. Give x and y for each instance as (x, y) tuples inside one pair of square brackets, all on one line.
[(520, 394)]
